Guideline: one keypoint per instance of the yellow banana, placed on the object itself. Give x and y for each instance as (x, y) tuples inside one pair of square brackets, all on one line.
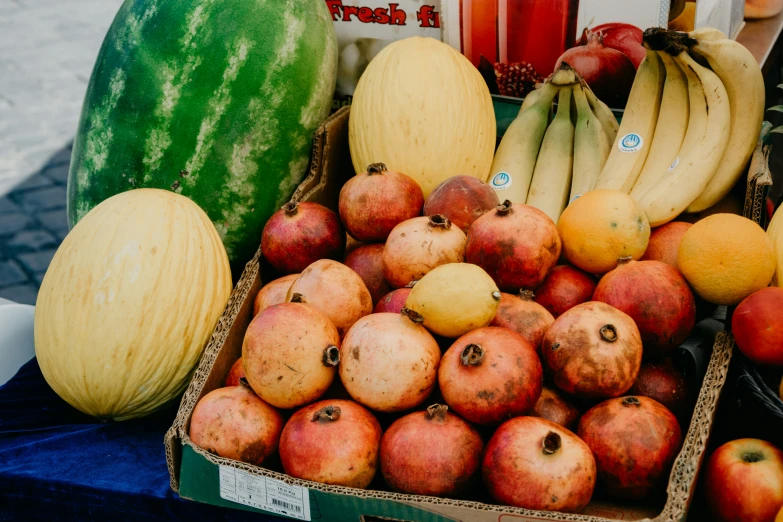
[(775, 234), (669, 130), (699, 156), (515, 159), (635, 135), (591, 146), (603, 113), (741, 75), (530, 99), (552, 174), (707, 33)]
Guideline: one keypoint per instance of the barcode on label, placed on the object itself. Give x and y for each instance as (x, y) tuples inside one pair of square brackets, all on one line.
[(264, 493), (286, 505)]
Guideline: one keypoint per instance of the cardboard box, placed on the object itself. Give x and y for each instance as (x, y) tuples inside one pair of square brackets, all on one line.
[(204, 477)]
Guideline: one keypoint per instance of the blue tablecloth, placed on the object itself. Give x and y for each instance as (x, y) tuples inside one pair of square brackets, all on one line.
[(59, 464)]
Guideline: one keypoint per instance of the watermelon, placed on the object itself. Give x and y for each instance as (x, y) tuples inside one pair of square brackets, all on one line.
[(217, 100)]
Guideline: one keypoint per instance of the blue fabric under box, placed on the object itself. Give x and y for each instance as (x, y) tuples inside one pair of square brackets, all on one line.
[(59, 464)]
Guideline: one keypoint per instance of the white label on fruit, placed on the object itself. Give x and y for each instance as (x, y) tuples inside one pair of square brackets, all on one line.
[(264, 493), (501, 181), (631, 142), (674, 164)]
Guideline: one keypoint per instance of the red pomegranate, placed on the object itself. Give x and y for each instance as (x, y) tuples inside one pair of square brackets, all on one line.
[(664, 243), (536, 464), (462, 199), (524, 316), (657, 298), (273, 293), (389, 361), (490, 375), (517, 245), (554, 407), (300, 233), (289, 353), (418, 245), (334, 442), (374, 202), (564, 288), (335, 290), (367, 261), (593, 351), (234, 423), (619, 36), (431, 452), (394, 301), (664, 383), (757, 325), (634, 441), (236, 373)]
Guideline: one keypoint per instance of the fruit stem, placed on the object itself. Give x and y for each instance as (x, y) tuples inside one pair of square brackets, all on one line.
[(437, 412), (631, 401), (753, 456), (297, 298), (526, 295), (244, 383), (608, 333), (472, 355), (331, 356), (412, 283), (496, 296), (376, 168), (624, 260), (504, 208), (291, 208), (414, 316), (439, 220), (327, 414), (551, 443)]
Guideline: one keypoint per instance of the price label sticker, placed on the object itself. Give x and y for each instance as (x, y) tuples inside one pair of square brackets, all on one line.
[(264, 493)]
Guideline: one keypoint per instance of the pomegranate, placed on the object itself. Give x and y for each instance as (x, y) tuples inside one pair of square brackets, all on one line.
[(593, 350), (757, 324), (564, 288), (289, 353), (619, 36), (300, 233), (418, 245), (273, 293), (515, 244), (664, 383), (634, 441), (374, 202), (462, 199), (657, 298), (490, 375), (553, 407), (394, 301), (664, 243), (524, 316), (335, 290), (367, 261), (536, 464), (236, 373), (430, 452), (389, 361), (234, 423), (334, 442)]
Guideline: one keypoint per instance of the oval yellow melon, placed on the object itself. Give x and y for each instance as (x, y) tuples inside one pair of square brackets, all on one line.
[(423, 109), (128, 303)]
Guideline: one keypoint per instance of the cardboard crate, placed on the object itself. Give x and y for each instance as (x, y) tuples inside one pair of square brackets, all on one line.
[(201, 476)]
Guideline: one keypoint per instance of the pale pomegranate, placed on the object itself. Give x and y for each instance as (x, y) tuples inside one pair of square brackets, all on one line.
[(234, 423), (594, 351), (374, 202), (289, 354), (418, 245), (524, 316), (554, 407), (634, 441), (517, 245), (335, 290), (334, 442), (462, 199), (273, 293), (536, 464), (664, 383), (389, 362), (490, 375), (430, 452), (564, 288), (367, 261), (394, 301), (236, 373), (656, 297), (299, 234)]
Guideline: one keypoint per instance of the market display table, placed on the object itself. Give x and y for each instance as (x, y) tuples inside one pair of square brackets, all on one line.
[(59, 464)]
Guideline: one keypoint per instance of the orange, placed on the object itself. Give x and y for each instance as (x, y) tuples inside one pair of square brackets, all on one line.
[(725, 258), (600, 227)]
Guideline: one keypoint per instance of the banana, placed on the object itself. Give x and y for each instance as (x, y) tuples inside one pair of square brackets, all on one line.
[(552, 174), (603, 113), (591, 146), (707, 33), (700, 153), (669, 130), (635, 135), (530, 99), (744, 82), (515, 159)]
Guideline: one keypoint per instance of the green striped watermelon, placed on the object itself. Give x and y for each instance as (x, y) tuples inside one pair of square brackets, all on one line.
[(217, 100)]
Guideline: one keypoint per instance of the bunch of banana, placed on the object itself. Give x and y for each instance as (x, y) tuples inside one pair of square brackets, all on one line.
[(689, 129), (546, 162)]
